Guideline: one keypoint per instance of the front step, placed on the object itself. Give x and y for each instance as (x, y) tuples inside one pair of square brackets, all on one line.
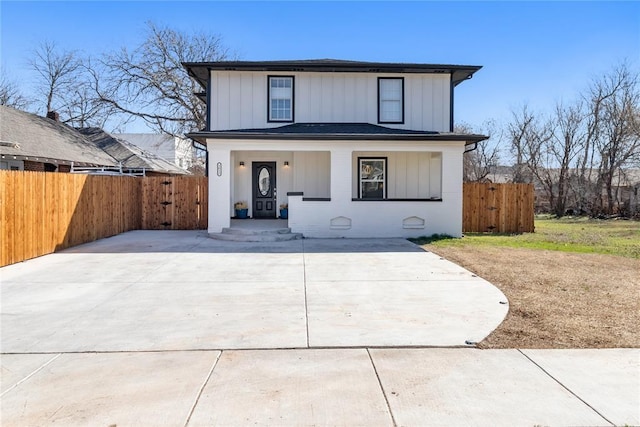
[(246, 235), (248, 231)]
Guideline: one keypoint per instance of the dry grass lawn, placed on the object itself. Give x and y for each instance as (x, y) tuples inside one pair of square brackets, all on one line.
[(557, 299)]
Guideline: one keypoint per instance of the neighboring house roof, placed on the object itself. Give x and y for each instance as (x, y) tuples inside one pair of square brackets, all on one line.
[(27, 136), (131, 156), (336, 131), (159, 144), (459, 73)]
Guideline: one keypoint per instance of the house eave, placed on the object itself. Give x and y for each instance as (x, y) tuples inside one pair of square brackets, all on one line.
[(46, 159), (459, 73), (202, 137)]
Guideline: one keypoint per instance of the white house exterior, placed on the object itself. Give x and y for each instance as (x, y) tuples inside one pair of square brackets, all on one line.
[(356, 149)]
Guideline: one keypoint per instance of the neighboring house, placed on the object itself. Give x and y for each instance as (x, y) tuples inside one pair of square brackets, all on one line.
[(356, 149), (34, 143), (131, 157), (179, 151)]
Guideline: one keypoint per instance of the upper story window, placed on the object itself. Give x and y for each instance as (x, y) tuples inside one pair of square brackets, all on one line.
[(280, 98), (390, 100)]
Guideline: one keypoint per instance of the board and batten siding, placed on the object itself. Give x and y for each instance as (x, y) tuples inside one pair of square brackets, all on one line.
[(410, 175), (312, 173), (240, 99)]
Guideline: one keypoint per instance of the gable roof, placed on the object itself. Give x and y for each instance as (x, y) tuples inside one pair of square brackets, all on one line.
[(27, 136), (131, 156), (336, 131), (459, 73)]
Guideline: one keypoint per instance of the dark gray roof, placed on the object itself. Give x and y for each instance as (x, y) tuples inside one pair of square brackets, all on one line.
[(459, 73), (28, 136), (335, 131), (334, 128), (131, 156)]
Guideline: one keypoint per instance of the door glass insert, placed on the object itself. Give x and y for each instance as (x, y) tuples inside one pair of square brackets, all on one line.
[(264, 181)]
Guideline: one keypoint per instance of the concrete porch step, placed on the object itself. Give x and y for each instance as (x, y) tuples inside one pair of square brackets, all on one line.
[(249, 231), (248, 235)]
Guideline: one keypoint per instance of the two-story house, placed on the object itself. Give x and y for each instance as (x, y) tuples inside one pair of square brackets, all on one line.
[(356, 149)]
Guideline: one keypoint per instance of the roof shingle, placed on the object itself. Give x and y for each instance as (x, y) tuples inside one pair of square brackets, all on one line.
[(28, 135)]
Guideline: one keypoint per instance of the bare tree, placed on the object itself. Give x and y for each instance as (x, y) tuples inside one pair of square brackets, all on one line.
[(614, 101), (10, 94), (82, 106), (519, 131), (566, 143), (65, 81), (579, 155), (150, 83), (57, 73), (530, 135), (546, 149), (480, 162)]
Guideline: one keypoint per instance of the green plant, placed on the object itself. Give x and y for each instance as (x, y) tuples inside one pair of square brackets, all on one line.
[(423, 240)]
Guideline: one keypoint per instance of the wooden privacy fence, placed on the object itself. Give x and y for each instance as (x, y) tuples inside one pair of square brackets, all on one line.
[(41, 212), (44, 212), (174, 203), (497, 208)]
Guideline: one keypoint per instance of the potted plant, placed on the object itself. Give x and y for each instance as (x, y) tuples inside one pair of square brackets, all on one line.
[(284, 211), (241, 210)]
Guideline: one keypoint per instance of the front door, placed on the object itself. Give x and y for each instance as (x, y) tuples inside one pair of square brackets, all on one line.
[(264, 189)]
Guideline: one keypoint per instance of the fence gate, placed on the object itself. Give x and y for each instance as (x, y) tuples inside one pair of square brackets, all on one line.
[(498, 208), (174, 203)]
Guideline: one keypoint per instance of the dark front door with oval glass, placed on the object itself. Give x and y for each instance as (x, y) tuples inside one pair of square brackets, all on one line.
[(264, 189)]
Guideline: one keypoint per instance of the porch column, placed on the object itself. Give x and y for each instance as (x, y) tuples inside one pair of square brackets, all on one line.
[(219, 188), (452, 188), (341, 173)]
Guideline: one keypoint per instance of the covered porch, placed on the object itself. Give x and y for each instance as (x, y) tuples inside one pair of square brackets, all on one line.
[(338, 188)]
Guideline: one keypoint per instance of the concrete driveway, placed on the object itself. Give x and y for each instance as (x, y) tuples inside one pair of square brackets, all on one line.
[(179, 290), (173, 328)]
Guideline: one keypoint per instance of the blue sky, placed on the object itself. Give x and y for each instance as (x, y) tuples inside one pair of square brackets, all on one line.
[(533, 52)]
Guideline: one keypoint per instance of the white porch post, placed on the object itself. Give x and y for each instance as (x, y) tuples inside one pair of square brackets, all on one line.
[(452, 188), (341, 181), (220, 170)]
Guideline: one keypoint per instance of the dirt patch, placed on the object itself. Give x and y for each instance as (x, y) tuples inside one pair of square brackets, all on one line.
[(558, 299)]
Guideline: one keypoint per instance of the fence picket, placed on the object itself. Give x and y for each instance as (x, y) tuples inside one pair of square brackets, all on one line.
[(508, 208), (43, 212)]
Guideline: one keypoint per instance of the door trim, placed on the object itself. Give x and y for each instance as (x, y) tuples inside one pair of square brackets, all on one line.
[(271, 199)]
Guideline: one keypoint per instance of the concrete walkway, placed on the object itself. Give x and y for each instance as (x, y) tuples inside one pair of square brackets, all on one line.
[(175, 329)]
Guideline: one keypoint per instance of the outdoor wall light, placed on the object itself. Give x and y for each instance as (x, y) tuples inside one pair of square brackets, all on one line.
[(241, 164), (286, 164)]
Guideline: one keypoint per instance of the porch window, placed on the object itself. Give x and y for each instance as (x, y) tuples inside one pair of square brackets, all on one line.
[(390, 100), (280, 95), (372, 177)]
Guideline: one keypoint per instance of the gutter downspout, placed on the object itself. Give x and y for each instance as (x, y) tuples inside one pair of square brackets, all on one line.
[(451, 85), (468, 150)]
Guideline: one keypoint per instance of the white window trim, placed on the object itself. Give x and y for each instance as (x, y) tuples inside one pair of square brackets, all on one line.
[(270, 118), (401, 100)]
